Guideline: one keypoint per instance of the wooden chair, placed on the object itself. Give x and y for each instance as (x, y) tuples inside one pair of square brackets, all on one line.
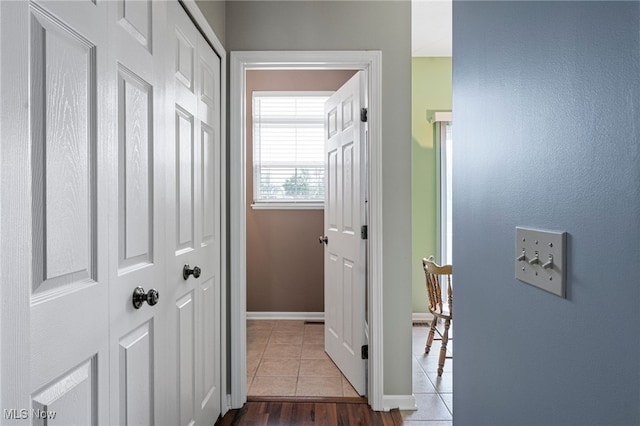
[(434, 273)]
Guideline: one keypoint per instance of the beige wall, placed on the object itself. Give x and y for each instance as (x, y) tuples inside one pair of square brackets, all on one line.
[(285, 262)]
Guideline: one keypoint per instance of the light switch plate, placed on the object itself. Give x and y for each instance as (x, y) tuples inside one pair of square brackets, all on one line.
[(547, 246)]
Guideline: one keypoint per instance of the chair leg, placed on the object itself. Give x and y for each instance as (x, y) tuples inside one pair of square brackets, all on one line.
[(431, 334), (443, 348)]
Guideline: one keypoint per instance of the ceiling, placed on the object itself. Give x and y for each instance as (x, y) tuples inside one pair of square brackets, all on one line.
[(431, 33)]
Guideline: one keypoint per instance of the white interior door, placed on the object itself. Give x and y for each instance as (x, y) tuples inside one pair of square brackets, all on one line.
[(55, 159), (138, 339), (193, 218), (344, 211)]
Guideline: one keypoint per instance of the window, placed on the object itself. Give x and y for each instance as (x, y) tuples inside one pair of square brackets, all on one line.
[(446, 192), (288, 149), (442, 122)]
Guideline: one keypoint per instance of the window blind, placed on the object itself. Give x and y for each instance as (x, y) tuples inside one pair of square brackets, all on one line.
[(288, 147)]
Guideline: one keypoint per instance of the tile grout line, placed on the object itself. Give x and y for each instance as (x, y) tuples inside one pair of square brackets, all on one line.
[(418, 358), (299, 365), (307, 338)]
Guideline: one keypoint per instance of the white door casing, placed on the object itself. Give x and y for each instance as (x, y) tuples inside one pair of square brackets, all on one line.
[(240, 62), (344, 278), (82, 217), (193, 212)]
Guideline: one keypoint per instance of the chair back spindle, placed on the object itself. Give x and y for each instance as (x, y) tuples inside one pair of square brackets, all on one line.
[(449, 295), (433, 273)]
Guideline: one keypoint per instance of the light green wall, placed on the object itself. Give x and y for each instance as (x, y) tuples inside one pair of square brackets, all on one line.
[(430, 89)]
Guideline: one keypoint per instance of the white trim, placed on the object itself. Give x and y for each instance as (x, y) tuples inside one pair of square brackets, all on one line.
[(203, 25), (421, 316), (306, 316), (437, 116), (238, 235), (224, 225), (374, 261), (287, 206), (297, 93), (442, 116), (402, 402), (360, 60)]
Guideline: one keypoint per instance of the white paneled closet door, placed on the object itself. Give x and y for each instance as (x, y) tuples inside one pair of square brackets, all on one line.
[(193, 218), (110, 180), (55, 161), (137, 252)]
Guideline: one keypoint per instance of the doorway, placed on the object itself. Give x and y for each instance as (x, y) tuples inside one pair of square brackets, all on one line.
[(241, 62), (285, 190)]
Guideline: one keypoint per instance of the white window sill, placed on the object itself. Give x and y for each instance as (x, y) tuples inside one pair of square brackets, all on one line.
[(287, 206)]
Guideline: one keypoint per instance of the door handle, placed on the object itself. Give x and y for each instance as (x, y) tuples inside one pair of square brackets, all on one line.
[(139, 297), (187, 270), (324, 239)]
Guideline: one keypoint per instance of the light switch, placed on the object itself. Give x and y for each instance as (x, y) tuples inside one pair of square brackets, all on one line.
[(540, 259)]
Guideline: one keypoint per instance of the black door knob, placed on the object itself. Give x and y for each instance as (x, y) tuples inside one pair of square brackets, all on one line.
[(324, 239), (139, 297), (187, 270)]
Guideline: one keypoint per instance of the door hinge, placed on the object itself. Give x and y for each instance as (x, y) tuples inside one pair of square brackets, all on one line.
[(364, 351), (364, 115), (364, 232)]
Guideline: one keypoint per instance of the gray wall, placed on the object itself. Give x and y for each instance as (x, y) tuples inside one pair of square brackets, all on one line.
[(359, 25), (546, 100), (214, 11)]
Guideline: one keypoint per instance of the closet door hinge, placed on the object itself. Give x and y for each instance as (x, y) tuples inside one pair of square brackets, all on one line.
[(364, 352), (364, 115)]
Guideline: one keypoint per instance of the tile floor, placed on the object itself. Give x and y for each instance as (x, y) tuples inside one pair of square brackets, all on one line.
[(287, 358), (434, 395)]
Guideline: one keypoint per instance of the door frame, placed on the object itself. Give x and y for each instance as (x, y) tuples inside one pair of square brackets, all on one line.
[(240, 62)]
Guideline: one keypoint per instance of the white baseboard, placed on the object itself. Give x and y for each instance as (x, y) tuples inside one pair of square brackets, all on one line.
[(403, 402), (419, 316), (307, 316)]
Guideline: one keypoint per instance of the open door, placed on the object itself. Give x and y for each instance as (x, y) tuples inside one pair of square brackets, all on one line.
[(345, 257)]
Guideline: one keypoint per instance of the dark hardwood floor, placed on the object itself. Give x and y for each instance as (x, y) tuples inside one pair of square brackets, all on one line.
[(283, 413)]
